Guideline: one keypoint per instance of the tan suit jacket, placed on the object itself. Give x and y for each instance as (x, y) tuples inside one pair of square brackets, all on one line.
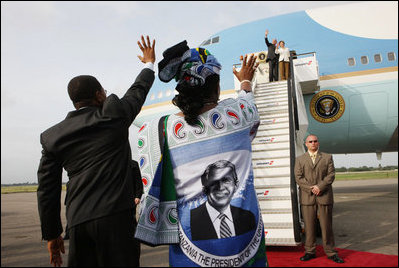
[(321, 173)]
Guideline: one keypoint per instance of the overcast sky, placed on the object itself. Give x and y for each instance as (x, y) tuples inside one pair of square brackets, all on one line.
[(45, 44)]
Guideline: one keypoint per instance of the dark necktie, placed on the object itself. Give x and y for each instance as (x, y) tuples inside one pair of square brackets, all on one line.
[(224, 228)]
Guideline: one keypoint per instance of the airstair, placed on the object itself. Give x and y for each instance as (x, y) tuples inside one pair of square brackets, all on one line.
[(278, 141), (271, 160)]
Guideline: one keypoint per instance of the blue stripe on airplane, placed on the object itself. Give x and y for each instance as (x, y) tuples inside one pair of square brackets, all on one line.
[(300, 33)]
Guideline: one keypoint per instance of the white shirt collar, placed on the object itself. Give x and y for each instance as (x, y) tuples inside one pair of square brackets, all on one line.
[(213, 213), (81, 108)]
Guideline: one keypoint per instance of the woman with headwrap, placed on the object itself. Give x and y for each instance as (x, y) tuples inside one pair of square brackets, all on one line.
[(200, 195)]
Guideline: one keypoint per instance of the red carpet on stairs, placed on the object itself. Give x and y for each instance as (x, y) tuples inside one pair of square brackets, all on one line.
[(289, 257)]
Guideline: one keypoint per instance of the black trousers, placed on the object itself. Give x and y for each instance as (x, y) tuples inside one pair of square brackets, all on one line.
[(107, 241), (273, 70)]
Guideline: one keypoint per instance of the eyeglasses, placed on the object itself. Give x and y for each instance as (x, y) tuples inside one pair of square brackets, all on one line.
[(313, 141)]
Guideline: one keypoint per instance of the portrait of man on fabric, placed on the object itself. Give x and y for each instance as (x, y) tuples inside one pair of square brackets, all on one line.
[(216, 218)]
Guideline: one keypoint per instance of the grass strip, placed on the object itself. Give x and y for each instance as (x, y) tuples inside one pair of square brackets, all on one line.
[(366, 175), (22, 189), (338, 176)]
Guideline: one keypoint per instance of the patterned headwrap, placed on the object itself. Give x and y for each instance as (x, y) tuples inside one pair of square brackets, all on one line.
[(190, 66)]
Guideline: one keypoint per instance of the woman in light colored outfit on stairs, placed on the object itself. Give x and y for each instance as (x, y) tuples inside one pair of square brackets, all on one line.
[(284, 60)]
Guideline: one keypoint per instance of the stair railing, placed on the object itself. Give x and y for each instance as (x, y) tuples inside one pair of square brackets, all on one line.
[(294, 126)]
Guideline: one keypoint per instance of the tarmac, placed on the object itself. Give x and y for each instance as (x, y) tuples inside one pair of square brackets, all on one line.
[(365, 218)]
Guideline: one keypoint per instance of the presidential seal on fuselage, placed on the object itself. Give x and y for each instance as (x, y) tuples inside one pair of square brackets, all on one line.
[(327, 106)]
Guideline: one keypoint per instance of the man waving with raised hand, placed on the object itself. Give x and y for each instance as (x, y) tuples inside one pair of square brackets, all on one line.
[(92, 145)]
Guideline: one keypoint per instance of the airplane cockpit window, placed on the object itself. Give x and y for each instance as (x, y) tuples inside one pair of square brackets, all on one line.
[(391, 56), (351, 61), (209, 41), (206, 42), (364, 59), (215, 40), (377, 58)]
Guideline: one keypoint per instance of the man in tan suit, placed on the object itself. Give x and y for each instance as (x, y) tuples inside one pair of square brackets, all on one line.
[(314, 173)]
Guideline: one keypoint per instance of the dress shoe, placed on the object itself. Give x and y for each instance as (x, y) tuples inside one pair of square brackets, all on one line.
[(307, 257), (336, 258)]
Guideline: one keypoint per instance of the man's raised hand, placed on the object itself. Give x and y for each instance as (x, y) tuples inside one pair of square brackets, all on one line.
[(147, 49)]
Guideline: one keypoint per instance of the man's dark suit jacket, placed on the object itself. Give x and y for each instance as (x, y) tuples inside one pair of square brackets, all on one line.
[(92, 145), (271, 55), (202, 227), (138, 183)]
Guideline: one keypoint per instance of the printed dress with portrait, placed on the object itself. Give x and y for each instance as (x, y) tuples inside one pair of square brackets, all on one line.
[(173, 191)]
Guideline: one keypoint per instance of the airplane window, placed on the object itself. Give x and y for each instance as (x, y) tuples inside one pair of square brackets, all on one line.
[(377, 58), (351, 61), (215, 40), (364, 59), (168, 92), (391, 56), (207, 42), (152, 97), (160, 95)]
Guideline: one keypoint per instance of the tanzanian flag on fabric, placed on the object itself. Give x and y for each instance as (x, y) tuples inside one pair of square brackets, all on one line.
[(211, 193)]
